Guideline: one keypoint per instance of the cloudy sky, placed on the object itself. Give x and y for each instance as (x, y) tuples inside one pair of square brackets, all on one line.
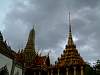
[(51, 18)]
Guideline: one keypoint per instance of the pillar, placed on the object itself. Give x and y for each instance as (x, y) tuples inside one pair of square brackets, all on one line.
[(58, 71), (74, 70), (13, 68), (23, 71), (34, 73), (39, 72), (48, 72), (51, 72), (82, 70), (66, 71)]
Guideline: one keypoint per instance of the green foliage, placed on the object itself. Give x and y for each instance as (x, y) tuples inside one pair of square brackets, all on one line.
[(89, 70), (97, 67)]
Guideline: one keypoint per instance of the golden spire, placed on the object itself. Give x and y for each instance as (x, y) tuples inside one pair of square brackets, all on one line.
[(70, 56), (70, 39), (69, 23), (31, 40), (30, 47)]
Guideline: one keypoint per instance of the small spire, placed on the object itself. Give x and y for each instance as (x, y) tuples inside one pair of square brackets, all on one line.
[(70, 39), (19, 51), (69, 23), (33, 26)]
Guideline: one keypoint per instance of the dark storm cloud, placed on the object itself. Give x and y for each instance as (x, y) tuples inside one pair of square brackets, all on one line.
[(52, 24)]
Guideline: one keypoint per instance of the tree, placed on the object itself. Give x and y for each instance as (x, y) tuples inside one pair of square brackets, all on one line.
[(97, 67), (89, 70)]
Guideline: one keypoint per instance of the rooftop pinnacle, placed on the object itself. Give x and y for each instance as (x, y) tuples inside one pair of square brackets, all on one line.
[(30, 47), (70, 39)]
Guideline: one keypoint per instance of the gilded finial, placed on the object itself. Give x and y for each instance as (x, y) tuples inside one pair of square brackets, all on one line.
[(70, 39), (69, 23)]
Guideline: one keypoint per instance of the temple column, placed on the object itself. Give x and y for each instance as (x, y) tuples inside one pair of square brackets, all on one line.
[(48, 72), (82, 70), (51, 72), (74, 70), (66, 71), (13, 68), (34, 73), (39, 73), (23, 71), (58, 71)]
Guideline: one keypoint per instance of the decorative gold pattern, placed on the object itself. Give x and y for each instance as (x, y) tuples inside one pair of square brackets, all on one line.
[(70, 54)]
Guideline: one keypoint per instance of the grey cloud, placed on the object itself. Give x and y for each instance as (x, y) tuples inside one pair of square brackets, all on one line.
[(52, 24)]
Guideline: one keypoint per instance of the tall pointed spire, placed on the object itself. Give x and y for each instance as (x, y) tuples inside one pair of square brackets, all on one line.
[(70, 56), (70, 39), (31, 40), (30, 47)]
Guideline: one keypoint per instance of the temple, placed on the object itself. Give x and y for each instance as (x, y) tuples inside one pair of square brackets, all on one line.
[(31, 63), (70, 62)]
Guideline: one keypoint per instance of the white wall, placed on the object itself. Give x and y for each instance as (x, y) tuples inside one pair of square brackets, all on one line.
[(6, 61)]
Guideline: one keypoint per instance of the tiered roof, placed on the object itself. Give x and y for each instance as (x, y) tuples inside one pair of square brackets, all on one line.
[(70, 54), (28, 56), (5, 49), (29, 50)]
